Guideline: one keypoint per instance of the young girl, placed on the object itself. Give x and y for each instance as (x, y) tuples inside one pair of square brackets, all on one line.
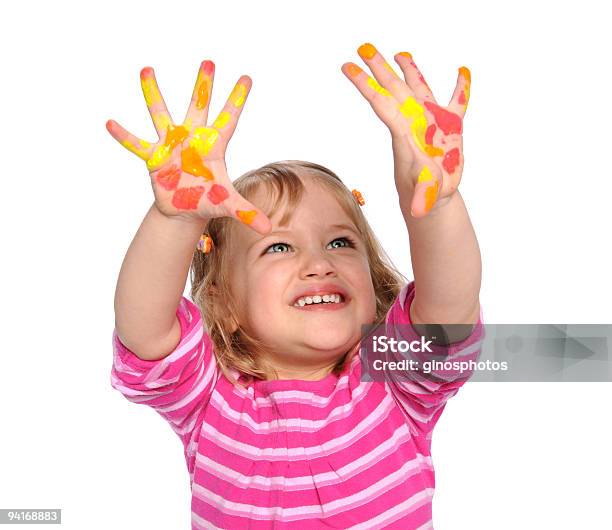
[(261, 378)]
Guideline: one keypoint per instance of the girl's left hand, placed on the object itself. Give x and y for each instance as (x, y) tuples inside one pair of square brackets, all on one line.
[(427, 141)]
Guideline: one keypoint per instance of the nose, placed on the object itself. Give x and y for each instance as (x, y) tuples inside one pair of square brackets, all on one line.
[(317, 264)]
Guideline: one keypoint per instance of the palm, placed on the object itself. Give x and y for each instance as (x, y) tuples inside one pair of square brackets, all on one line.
[(187, 163), (427, 138)]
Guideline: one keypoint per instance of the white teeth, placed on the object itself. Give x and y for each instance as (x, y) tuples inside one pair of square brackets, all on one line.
[(317, 299)]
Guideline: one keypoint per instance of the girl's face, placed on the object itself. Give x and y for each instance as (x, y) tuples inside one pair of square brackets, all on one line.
[(319, 253)]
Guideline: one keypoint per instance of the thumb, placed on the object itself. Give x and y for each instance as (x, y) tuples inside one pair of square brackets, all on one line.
[(248, 214), (425, 192)]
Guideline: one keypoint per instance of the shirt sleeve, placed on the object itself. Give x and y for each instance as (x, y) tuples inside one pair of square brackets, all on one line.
[(178, 386), (422, 395)]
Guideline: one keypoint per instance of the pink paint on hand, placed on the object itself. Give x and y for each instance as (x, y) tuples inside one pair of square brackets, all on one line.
[(147, 71), (208, 67), (449, 122), (429, 134), (168, 177), (187, 198), (217, 194), (451, 160), (462, 98)]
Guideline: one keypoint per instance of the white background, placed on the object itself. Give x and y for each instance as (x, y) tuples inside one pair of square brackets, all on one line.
[(536, 182)]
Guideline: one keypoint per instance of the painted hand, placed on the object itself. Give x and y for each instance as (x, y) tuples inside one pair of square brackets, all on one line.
[(427, 141), (187, 163)]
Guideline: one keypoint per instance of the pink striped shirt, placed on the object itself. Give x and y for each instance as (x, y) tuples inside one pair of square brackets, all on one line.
[(334, 453)]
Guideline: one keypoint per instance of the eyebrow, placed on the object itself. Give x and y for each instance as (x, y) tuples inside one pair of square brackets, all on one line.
[(341, 226)]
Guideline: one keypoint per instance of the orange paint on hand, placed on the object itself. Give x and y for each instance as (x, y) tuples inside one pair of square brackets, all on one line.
[(366, 51), (405, 54), (168, 177), (191, 162), (431, 194), (353, 70), (433, 151), (464, 97), (217, 194), (246, 216), (187, 198), (175, 135), (465, 73), (203, 94)]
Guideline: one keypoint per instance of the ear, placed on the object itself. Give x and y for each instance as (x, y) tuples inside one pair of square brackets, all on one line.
[(229, 320)]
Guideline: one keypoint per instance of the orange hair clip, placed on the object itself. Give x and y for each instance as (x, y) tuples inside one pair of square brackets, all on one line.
[(205, 244), (359, 197)]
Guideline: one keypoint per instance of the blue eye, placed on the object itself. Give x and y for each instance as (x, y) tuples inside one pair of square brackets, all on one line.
[(348, 242), (276, 245), (277, 248)]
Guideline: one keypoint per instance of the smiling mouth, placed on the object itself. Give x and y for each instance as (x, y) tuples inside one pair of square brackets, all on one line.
[(319, 300)]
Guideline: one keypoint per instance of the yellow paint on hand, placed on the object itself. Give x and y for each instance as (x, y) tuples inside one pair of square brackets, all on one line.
[(162, 121), (150, 90), (159, 157), (204, 139), (405, 54), (141, 150), (388, 67), (425, 175), (246, 216), (418, 126), (222, 120), (238, 95), (372, 83), (191, 162)]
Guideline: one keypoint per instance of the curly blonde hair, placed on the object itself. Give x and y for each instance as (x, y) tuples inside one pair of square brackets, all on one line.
[(235, 348)]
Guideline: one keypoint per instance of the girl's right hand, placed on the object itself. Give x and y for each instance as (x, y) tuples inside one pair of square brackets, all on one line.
[(187, 163)]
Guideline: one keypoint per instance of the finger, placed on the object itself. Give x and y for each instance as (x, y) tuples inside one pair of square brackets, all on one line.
[(383, 73), (155, 101), (132, 143), (459, 101), (248, 214), (228, 118), (205, 139), (197, 113), (384, 104), (413, 77), (426, 191)]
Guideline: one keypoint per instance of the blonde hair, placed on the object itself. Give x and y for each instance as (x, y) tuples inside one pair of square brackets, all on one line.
[(235, 348)]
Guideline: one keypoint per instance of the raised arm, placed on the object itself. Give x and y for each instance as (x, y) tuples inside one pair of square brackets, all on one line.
[(428, 158), (191, 185)]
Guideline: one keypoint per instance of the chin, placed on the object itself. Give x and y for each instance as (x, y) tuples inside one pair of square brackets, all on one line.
[(333, 339)]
